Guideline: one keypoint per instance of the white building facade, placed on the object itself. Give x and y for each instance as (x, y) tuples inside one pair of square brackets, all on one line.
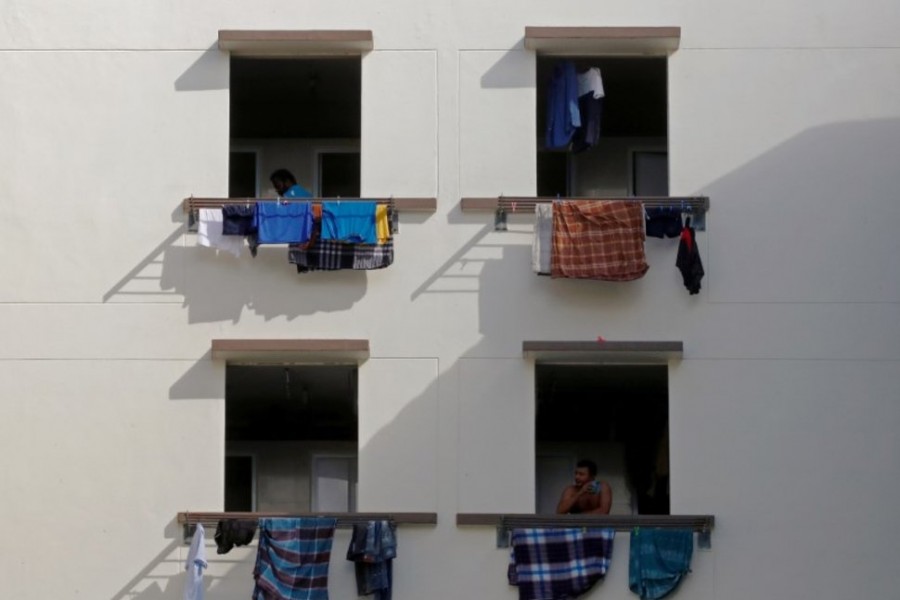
[(140, 379)]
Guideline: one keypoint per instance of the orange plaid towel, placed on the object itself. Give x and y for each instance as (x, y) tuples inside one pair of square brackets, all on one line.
[(598, 240)]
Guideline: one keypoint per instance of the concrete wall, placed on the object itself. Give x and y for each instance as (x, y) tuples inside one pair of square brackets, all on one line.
[(782, 413)]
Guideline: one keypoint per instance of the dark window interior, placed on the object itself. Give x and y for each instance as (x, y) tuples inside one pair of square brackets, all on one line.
[(552, 179), (295, 98), (636, 94), (339, 175), (242, 175), (290, 402), (238, 483), (627, 404)]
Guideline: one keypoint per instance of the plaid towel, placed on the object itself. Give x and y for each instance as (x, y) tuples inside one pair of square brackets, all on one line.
[(292, 560), (598, 240), (551, 564), (329, 255), (658, 561)]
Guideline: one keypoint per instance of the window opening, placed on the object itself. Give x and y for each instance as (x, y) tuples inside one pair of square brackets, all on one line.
[(614, 415), (287, 416), (633, 114), (240, 488), (242, 174), (338, 174), (289, 108)]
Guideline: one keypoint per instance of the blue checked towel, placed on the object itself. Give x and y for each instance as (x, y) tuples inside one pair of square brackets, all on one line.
[(658, 561), (292, 560), (553, 564), (329, 255)]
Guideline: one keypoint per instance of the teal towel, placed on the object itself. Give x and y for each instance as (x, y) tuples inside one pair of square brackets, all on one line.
[(658, 560)]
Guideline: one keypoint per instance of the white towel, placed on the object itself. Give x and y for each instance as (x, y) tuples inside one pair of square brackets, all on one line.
[(209, 232), (592, 82), (543, 238), (194, 565)]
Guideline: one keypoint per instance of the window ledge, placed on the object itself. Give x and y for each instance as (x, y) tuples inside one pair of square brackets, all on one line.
[(595, 41), (295, 42), (306, 351), (641, 352)]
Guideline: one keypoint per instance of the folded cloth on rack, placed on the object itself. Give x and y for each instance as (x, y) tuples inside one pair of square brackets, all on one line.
[(598, 239), (543, 238), (292, 559), (688, 259), (194, 565), (367, 257), (382, 223), (233, 532), (551, 564), (352, 222), (664, 221), (238, 219), (658, 560), (284, 222), (209, 232), (372, 548), (329, 255)]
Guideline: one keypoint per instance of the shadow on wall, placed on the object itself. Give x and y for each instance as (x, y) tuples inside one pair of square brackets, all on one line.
[(206, 73), (216, 286), (507, 72)]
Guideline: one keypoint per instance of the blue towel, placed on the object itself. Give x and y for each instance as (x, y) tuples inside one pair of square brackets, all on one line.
[(558, 563), (283, 222), (563, 114), (292, 559), (352, 222), (658, 560)]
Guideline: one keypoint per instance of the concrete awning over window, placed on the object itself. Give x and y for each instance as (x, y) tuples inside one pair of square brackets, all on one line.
[(245, 42), (603, 352), (307, 351), (590, 41)]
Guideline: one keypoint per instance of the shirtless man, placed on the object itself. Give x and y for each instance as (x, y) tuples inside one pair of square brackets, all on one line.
[(587, 495)]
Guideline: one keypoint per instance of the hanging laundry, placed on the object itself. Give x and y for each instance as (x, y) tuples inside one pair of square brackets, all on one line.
[(194, 565), (591, 82), (240, 219), (543, 238), (209, 232), (283, 222), (233, 532), (292, 558), (598, 240), (551, 564), (563, 115), (382, 224), (352, 222), (658, 560), (664, 221), (590, 105), (688, 260), (373, 546)]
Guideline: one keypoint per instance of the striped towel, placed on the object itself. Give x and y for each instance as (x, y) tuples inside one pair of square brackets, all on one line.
[(292, 560), (547, 564), (598, 240)]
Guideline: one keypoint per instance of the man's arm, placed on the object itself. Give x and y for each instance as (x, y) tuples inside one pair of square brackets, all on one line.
[(605, 502), (567, 500)]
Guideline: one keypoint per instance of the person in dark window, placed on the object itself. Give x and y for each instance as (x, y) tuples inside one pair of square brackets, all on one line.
[(286, 185), (588, 494)]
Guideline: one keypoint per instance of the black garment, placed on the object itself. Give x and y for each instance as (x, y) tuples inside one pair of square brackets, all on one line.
[(238, 219), (233, 532), (688, 261), (588, 134), (372, 548), (664, 221)]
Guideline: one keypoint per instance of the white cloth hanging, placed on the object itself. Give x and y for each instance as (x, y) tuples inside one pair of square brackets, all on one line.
[(543, 238), (209, 232), (194, 565), (591, 82)]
